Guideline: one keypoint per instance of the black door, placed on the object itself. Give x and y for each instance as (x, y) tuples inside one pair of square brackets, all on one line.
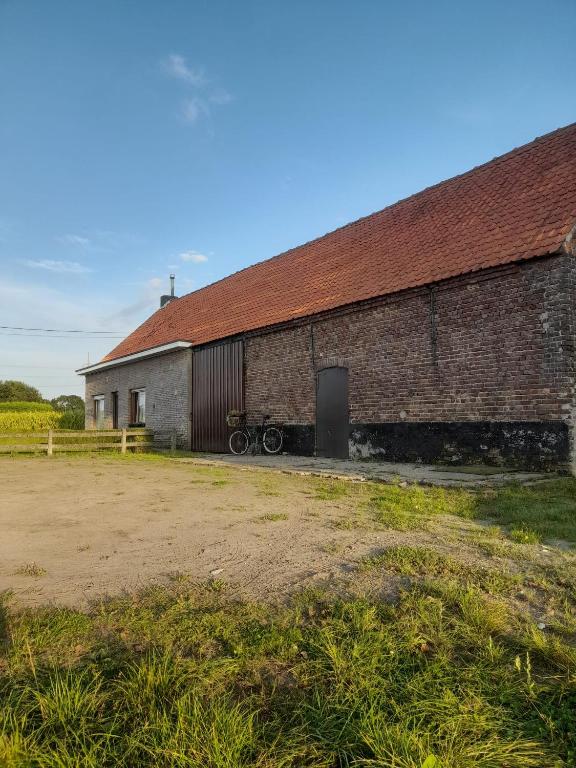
[(332, 424)]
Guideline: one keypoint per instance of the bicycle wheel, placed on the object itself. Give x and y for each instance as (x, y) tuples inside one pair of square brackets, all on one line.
[(239, 442), (272, 440)]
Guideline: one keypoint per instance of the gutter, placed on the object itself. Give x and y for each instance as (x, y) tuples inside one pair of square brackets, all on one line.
[(152, 352)]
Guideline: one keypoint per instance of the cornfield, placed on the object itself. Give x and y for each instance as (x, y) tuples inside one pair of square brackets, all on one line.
[(29, 421), (24, 406), (37, 417)]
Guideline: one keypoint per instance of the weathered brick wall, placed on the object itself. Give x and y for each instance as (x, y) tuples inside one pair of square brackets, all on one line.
[(278, 376), (497, 346), (167, 380)]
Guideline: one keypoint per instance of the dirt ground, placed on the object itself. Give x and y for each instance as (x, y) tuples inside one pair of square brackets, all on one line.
[(75, 529)]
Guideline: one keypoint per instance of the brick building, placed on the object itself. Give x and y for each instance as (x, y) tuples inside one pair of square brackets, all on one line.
[(441, 328)]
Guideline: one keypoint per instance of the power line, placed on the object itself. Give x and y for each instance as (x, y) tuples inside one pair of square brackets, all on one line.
[(60, 386), (44, 367), (40, 376), (50, 330), (44, 336)]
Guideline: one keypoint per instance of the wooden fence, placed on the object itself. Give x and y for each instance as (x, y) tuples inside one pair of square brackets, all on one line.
[(55, 440)]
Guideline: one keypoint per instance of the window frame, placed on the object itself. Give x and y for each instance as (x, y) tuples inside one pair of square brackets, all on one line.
[(137, 408), (99, 411)]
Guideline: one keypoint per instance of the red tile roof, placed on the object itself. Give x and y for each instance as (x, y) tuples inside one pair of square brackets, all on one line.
[(517, 206)]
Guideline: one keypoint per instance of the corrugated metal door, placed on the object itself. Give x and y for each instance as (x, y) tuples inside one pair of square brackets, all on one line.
[(217, 374), (332, 420)]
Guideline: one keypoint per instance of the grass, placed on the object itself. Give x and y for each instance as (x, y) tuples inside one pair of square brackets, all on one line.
[(524, 535), (30, 569), (543, 510), (332, 490), (529, 514), (454, 674), (269, 485), (348, 523), (182, 676), (427, 562), (273, 517), (413, 507)]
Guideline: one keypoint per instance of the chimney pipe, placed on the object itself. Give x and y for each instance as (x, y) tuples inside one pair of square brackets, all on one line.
[(168, 297)]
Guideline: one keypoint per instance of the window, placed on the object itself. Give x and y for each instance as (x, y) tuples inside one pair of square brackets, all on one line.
[(99, 411), (138, 406), (114, 410)]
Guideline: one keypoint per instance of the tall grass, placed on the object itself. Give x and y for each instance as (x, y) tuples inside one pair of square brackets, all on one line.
[(72, 420), (188, 677)]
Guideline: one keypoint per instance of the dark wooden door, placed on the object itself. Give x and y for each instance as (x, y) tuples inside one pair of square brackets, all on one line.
[(217, 375), (332, 420)]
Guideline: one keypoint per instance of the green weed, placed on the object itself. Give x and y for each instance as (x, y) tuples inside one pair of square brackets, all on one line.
[(30, 569), (271, 517), (347, 523), (332, 490), (524, 535)]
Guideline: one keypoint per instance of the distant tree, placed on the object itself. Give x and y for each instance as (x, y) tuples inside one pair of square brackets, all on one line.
[(11, 391), (67, 403)]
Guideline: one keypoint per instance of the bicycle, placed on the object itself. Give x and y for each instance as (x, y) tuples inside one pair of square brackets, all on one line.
[(268, 437)]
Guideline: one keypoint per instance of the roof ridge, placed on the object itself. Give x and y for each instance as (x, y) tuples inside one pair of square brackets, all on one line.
[(514, 207), (493, 161)]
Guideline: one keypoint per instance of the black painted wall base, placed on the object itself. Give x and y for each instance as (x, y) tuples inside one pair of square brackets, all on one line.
[(521, 444), (299, 439), (525, 444)]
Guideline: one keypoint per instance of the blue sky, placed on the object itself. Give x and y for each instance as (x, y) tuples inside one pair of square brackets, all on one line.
[(143, 137)]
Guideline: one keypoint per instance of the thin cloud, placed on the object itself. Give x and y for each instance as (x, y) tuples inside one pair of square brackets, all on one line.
[(71, 239), (193, 256), (71, 267), (193, 109), (176, 66), (148, 301), (220, 97), (204, 93)]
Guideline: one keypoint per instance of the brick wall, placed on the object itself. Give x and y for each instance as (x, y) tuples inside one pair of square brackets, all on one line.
[(167, 380), (498, 346)]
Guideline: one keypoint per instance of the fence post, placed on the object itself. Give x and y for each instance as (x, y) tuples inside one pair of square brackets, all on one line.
[(123, 442), (173, 441), (49, 450)]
